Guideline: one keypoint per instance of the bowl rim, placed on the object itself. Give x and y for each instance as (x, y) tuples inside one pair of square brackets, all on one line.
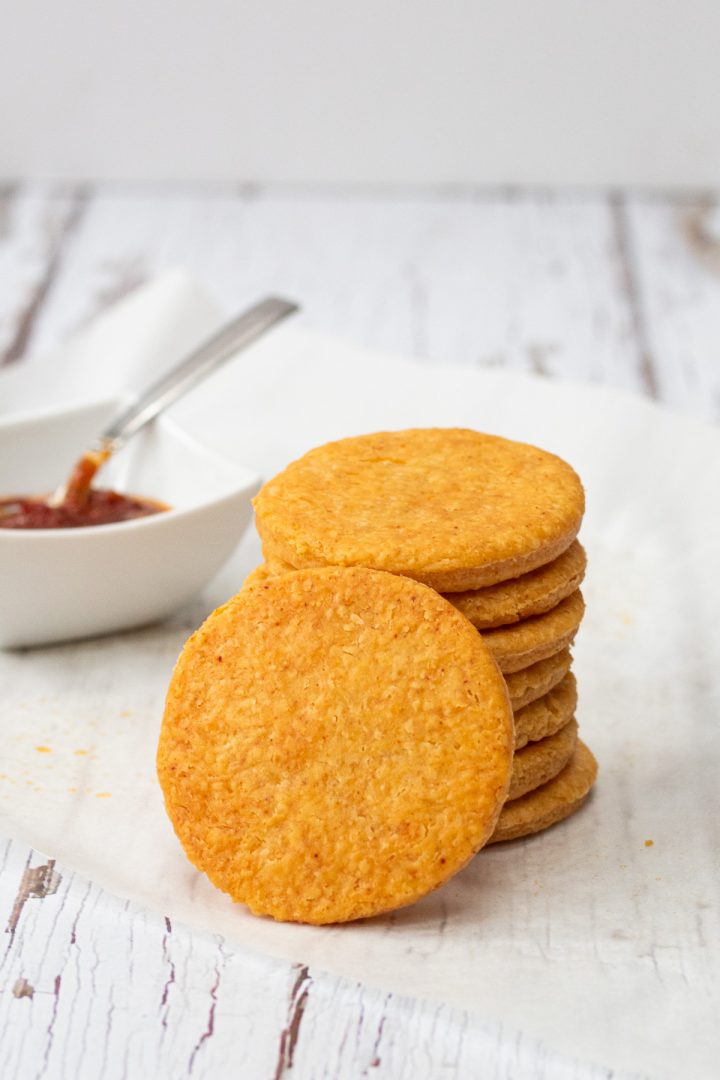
[(246, 480)]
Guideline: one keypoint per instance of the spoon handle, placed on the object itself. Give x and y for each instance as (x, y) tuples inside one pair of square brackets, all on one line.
[(229, 340)]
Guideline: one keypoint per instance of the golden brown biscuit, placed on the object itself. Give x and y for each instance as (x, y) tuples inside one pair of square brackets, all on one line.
[(257, 576), (519, 646), (552, 802), (275, 566), (547, 714), (539, 761), (453, 508), (336, 743), (533, 682), (532, 594)]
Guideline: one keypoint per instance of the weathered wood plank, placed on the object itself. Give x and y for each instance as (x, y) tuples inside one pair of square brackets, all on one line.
[(36, 229), (530, 281), (676, 258), (109, 990)]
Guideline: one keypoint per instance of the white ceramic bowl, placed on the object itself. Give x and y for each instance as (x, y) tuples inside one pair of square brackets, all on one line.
[(58, 584)]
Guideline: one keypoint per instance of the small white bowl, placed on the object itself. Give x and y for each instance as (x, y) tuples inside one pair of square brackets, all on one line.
[(59, 584)]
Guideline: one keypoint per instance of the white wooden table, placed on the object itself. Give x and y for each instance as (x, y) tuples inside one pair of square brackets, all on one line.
[(602, 287)]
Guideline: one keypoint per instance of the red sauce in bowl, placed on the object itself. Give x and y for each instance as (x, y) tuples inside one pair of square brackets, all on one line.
[(98, 507)]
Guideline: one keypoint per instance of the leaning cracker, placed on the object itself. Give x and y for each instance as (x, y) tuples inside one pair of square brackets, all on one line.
[(531, 594), (540, 761), (557, 799), (453, 508), (273, 567), (516, 647), (257, 576), (547, 714), (336, 743)]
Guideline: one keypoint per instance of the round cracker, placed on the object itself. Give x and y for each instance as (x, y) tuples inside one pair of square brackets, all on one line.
[(335, 744), (257, 576), (453, 508), (277, 566), (553, 802), (532, 594), (534, 681), (539, 761), (547, 714), (516, 647)]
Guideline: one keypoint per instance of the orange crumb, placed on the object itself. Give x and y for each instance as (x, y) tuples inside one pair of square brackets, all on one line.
[(649, 843), (79, 752), (103, 794), (43, 750), (72, 790)]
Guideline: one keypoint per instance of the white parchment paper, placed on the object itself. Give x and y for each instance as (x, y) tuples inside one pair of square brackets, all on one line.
[(587, 937)]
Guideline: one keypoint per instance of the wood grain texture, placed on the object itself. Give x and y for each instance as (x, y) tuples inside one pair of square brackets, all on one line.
[(609, 289), (533, 282), (35, 232), (676, 258)]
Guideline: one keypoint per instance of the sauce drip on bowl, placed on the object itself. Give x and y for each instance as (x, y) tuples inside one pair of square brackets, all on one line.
[(98, 506), (77, 489)]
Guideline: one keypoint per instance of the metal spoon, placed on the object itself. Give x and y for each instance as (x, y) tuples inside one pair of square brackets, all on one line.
[(231, 339)]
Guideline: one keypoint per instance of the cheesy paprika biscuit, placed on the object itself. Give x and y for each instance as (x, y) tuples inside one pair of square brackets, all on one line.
[(531, 594), (336, 743), (540, 761), (257, 576), (453, 508), (552, 802), (547, 714), (273, 567), (516, 647), (534, 681)]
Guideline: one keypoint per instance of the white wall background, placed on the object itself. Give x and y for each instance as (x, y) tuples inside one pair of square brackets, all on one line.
[(419, 91)]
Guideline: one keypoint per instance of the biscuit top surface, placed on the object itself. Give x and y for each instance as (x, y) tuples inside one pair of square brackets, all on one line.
[(421, 502), (336, 743)]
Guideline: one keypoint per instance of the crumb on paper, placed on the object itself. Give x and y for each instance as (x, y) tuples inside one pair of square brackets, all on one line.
[(103, 794), (81, 752), (43, 749), (72, 790), (649, 843)]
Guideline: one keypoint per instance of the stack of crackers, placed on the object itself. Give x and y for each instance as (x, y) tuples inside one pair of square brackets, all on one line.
[(391, 690)]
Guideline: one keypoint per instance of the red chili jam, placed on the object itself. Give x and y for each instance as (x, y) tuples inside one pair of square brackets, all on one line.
[(98, 507)]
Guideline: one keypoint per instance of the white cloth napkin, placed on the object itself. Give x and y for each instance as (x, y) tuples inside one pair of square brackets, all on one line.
[(589, 938)]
